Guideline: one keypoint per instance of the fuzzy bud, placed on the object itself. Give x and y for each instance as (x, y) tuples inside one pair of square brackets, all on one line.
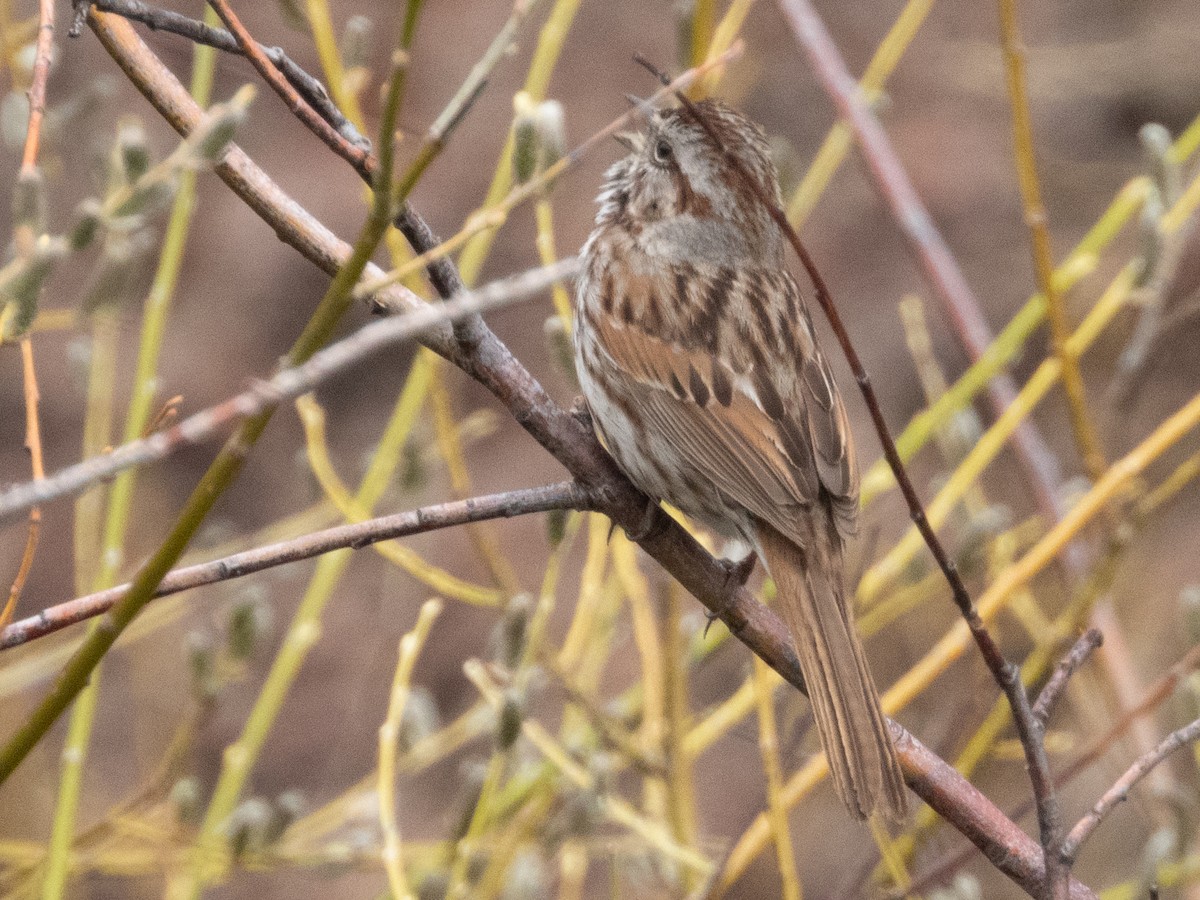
[(420, 719), (556, 527), (508, 726), (87, 225), (116, 277), (185, 796), (132, 151), (202, 661), (527, 878), (29, 202), (525, 138), (249, 826), (21, 283), (551, 133), (356, 42), (249, 620), (1164, 169), (212, 137), (512, 629)]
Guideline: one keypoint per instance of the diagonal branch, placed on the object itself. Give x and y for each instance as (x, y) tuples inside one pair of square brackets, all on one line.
[(1007, 675), (925, 242)]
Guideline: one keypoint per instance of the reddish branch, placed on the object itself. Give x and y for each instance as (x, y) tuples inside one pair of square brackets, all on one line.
[(299, 106), (566, 495), (486, 359), (24, 238), (924, 240)]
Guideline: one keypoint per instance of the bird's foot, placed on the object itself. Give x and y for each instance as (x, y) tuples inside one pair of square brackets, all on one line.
[(581, 412), (652, 523), (736, 575)]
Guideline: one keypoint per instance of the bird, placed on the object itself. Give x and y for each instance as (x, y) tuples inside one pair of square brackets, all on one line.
[(704, 380)]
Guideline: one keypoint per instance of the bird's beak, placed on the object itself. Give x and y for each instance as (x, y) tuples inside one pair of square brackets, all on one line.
[(628, 140), (642, 106)]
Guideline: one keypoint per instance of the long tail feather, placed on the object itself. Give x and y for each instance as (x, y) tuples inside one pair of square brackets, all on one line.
[(845, 703)]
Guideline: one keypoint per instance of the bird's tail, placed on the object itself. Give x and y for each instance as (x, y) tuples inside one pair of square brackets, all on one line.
[(845, 703)]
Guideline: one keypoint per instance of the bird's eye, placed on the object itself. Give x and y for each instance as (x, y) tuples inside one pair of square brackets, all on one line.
[(662, 152)]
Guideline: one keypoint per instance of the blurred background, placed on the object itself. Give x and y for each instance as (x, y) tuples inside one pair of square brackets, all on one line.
[(1098, 71)]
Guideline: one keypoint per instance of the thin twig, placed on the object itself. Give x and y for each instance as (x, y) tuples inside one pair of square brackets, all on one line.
[(299, 106), (43, 51), (1078, 655), (389, 731), (1119, 792), (33, 445), (1007, 675), (1153, 699), (924, 240), (1039, 232), (285, 385), (198, 32), (565, 495), (24, 238)]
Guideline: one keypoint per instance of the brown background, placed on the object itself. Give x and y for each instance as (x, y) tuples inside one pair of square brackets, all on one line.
[(1098, 71)]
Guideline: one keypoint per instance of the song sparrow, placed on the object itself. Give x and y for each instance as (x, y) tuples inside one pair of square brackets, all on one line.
[(700, 365)]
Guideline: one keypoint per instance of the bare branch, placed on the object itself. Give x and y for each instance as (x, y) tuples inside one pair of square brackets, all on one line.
[(1006, 674), (565, 495), (925, 242), (1119, 792), (940, 267), (1076, 657), (309, 87), (286, 385)]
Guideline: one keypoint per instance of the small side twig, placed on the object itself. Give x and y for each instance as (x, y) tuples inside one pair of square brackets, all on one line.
[(1076, 657), (389, 732), (1119, 792), (298, 105), (198, 32)]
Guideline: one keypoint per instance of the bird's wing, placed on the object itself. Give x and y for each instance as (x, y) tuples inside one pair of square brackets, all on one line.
[(769, 442)]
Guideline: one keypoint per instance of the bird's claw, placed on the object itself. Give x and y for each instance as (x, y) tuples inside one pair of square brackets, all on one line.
[(736, 575)]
